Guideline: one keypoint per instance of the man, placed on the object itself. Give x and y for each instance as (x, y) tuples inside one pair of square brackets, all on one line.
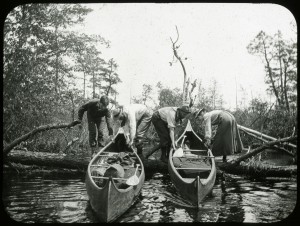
[(227, 140), (165, 121), (137, 118), (96, 109)]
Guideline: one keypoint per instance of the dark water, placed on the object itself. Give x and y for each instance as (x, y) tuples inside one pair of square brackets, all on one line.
[(64, 199)]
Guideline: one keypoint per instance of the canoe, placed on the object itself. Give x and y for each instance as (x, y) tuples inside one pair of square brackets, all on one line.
[(193, 173), (110, 197)]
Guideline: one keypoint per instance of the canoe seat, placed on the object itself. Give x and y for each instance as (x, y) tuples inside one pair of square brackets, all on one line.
[(191, 156), (194, 150)]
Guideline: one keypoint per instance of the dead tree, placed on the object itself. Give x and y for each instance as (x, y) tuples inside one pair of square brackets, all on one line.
[(187, 94), (175, 48)]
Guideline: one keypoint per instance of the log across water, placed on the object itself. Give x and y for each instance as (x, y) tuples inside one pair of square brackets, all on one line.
[(81, 163)]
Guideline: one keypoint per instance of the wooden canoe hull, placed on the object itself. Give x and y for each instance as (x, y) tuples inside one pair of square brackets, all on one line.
[(109, 202), (192, 189)]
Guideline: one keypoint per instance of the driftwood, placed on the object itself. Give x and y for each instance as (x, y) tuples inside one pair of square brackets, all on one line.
[(17, 141), (261, 148)]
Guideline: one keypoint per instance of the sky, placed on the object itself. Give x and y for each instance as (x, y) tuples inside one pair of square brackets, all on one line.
[(213, 38)]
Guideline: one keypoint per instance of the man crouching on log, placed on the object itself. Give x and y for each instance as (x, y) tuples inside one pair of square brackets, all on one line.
[(227, 140), (96, 109), (165, 120)]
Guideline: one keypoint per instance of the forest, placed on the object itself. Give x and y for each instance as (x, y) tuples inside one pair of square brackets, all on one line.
[(43, 58)]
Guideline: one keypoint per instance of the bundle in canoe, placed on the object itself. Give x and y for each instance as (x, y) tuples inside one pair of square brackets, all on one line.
[(114, 179), (192, 168)]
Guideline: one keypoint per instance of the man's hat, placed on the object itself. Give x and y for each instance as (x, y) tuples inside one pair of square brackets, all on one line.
[(199, 112), (116, 112), (185, 109), (104, 100)]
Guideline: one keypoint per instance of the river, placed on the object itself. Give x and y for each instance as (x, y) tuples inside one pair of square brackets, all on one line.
[(63, 199)]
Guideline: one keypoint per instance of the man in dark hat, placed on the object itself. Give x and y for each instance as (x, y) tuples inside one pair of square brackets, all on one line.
[(164, 121), (96, 109)]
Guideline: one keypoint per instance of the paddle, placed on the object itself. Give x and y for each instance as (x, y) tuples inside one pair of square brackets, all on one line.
[(133, 180), (179, 151)]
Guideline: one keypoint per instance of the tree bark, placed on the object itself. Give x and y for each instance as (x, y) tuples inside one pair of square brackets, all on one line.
[(154, 149), (80, 163), (259, 170), (68, 161)]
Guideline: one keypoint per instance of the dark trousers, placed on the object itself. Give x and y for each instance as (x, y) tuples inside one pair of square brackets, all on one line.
[(96, 128), (163, 132)]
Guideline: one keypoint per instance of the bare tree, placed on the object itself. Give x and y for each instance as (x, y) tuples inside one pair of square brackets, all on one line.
[(186, 95)]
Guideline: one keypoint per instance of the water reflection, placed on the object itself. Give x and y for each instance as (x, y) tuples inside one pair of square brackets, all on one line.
[(64, 199)]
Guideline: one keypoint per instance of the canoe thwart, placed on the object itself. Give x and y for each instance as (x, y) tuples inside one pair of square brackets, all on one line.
[(195, 157), (202, 169), (114, 178)]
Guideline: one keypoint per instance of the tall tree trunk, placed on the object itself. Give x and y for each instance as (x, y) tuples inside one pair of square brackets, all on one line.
[(94, 85), (285, 88), (269, 69), (84, 84), (174, 47)]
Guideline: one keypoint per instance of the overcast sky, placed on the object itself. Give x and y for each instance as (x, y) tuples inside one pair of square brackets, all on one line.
[(213, 37)]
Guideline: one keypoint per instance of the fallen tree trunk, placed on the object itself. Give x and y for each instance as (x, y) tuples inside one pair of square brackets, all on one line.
[(68, 162), (17, 141), (277, 147), (47, 159), (259, 170), (154, 149), (263, 135), (260, 149), (80, 163)]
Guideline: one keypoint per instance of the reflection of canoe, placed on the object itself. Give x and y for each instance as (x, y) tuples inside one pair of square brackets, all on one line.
[(111, 197), (194, 173)]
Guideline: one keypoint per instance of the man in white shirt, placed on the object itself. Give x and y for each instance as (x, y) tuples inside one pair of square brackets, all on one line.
[(165, 121), (137, 119)]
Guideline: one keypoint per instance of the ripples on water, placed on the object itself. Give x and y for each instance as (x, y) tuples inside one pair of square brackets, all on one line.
[(64, 200)]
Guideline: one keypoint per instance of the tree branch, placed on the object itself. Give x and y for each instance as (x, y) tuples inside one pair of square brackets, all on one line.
[(17, 141)]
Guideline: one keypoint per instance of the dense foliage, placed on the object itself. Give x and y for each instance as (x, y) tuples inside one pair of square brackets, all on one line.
[(43, 60)]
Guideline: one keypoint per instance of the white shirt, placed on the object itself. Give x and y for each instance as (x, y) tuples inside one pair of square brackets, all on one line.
[(167, 114), (210, 118), (134, 113)]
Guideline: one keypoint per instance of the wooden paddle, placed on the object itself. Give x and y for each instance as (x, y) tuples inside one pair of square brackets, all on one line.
[(179, 151), (133, 180)]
